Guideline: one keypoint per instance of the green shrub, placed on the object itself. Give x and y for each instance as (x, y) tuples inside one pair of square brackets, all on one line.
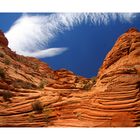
[(35, 66), (42, 84), (20, 59), (7, 61), (1, 54), (37, 106), (94, 79), (87, 86), (27, 85), (2, 73), (18, 83), (17, 66), (7, 95)]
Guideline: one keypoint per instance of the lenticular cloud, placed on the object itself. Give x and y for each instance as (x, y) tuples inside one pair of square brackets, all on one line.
[(30, 35)]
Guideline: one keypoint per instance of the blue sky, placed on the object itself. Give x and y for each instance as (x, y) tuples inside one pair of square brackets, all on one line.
[(78, 42)]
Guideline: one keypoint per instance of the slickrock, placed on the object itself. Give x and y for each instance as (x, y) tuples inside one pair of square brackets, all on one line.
[(33, 95)]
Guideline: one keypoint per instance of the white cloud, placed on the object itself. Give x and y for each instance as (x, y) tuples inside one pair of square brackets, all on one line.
[(30, 35), (47, 52)]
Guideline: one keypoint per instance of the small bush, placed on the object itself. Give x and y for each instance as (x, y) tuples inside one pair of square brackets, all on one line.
[(7, 61), (22, 84), (1, 54), (2, 73), (16, 66), (27, 85), (94, 79), (42, 84), (35, 67), (88, 85), (37, 106), (7, 95), (21, 59)]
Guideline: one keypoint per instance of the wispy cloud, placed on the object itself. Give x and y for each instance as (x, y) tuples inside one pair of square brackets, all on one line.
[(30, 35), (46, 52)]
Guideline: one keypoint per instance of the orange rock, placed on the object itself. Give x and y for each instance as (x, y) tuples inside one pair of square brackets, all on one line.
[(114, 101), (3, 39)]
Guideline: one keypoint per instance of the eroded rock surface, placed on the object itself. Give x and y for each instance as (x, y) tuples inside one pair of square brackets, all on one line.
[(114, 101)]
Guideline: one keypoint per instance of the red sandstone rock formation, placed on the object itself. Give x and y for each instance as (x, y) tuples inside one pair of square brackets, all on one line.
[(3, 39), (41, 97)]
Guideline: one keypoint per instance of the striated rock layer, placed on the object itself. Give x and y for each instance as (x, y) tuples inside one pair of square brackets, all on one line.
[(114, 101)]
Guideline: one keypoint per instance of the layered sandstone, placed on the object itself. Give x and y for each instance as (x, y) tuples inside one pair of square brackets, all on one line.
[(3, 39), (114, 101)]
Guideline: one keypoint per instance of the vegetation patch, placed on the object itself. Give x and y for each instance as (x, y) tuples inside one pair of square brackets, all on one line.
[(21, 59), (28, 85), (37, 106), (88, 85), (7, 95), (42, 84), (94, 79), (2, 73), (1, 54), (35, 66), (7, 61), (22, 84)]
